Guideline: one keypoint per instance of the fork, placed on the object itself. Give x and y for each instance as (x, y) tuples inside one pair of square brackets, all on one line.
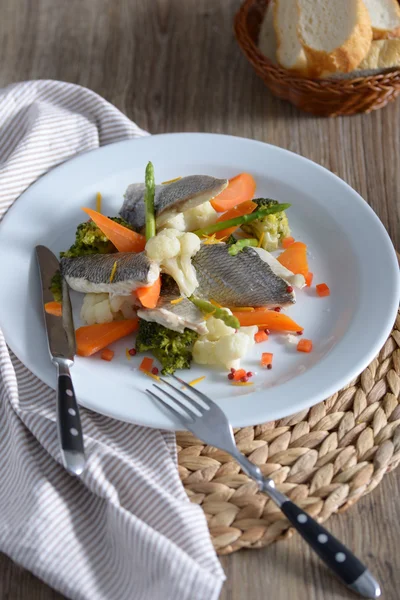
[(209, 423)]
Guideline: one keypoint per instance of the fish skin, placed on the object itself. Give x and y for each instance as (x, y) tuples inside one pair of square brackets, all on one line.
[(92, 273), (175, 316), (241, 280), (170, 199)]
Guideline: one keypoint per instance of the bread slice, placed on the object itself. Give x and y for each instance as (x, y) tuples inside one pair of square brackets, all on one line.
[(385, 18), (289, 51), (336, 36), (383, 55), (267, 36)]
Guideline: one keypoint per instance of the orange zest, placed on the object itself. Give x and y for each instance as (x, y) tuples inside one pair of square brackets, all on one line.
[(53, 308), (124, 239), (322, 290), (304, 346), (107, 354), (240, 189), (149, 295)]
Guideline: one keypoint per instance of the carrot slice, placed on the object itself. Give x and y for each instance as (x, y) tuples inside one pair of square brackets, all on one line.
[(322, 290), (260, 336), (240, 189), (246, 208), (269, 319), (107, 354), (309, 278), (304, 346), (149, 296), (124, 239), (294, 258), (53, 308), (92, 338), (286, 242), (238, 374), (146, 364), (266, 359)]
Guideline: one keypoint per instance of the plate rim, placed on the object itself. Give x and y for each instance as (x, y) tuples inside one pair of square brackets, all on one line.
[(273, 414)]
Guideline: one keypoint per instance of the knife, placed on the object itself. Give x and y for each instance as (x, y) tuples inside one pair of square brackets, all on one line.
[(62, 348)]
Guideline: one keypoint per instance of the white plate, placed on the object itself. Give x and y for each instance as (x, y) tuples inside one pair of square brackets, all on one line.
[(349, 249)]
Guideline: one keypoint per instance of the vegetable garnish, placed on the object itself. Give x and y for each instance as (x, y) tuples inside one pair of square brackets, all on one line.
[(218, 313), (146, 364), (240, 244), (260, 241), (294, 258), (171, 181), (238, 374), (53, 308), (288, 241), (149, 201), (267, 319), (107, 354), (241, 308), (149, 295), (322, 290), (124, 239), (56, 286), (98, 202), (209, 240), (260, 336), (113, 271), (238, 221), (171, 348), (150, 374), (266, 360), (309, 278), (304, 346), (240, 189), (177, 300), (92, 338), (238, 211), (270, 229), (242, 383), (196, 381)]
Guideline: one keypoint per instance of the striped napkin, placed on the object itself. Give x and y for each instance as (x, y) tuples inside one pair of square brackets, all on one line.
[(125, 528)]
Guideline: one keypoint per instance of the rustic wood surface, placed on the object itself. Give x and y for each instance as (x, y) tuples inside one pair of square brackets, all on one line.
[(173, 65)]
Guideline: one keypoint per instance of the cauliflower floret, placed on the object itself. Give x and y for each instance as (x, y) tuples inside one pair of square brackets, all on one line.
[(173, 250), (271, 228), (194, 218), (101, 308), (225, 350)]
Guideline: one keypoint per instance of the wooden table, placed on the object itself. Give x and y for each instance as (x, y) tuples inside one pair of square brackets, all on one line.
[(173, 65)]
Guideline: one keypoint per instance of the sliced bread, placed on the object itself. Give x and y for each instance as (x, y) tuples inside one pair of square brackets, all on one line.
[(383, 55), (336, 36), (267, 36), (289, 51), (385, 18)]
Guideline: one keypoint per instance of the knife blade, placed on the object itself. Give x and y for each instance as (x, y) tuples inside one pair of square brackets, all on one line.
[(62, 348)]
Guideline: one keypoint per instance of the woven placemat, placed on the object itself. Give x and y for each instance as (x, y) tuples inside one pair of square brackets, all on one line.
[(324, 458)]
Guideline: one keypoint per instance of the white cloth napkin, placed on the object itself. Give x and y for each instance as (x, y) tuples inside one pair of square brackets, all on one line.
[(124, 529)]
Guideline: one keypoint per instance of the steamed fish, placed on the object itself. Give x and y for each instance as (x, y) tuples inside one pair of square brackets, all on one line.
[(241, 280), (175, 316), (170, 199), (117, 274)]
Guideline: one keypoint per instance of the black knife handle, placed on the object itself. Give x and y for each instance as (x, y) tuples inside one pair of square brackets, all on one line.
[(68, 422)]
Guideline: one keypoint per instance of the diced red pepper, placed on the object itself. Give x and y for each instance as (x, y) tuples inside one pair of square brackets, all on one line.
[(322, 290), (304, 346)]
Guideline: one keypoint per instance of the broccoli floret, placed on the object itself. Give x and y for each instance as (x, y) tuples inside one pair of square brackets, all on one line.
[(231, 240), (171, 348), (89, 239), (272, 229), (56, 286)]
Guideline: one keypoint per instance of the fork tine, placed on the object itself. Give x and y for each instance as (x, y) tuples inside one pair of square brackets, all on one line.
[(188, 410), (205, 398), (187, 398), (169, 408)]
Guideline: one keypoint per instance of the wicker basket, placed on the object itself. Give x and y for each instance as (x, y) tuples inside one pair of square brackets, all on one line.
[(329, 98)]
